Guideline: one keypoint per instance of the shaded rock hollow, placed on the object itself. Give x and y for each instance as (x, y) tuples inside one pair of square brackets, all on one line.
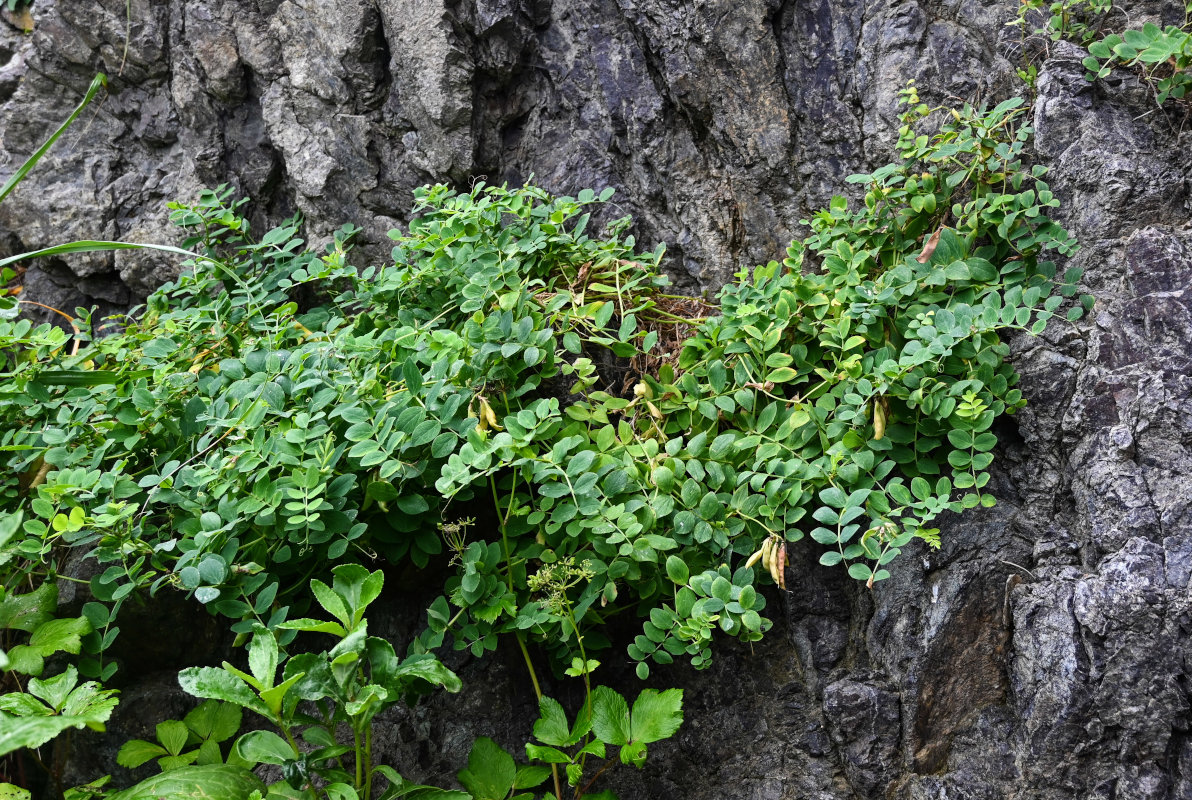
[(1042, 653)]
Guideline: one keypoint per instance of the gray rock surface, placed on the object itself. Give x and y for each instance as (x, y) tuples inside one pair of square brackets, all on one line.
[(1042, 653)]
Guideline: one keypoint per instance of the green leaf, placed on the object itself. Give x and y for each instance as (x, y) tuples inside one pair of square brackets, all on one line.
[(860, 572), (551, 726), (314, 626), (31, 732), (782, 375), (136, 752), (676, 570), (634, 754), (610, 716), (656, 715), (25, 612), (428, 668), (100, 81), (173, 735), (262, 658), (263, 747), (530, 776), (401, 789), (88, 246), (331, 602), (210, 782), (490, 773), (550, 755), (217, 684)]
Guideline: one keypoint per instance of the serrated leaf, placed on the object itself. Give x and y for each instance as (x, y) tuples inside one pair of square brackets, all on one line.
[(551, 726), (547, 754), (610, 716), (217, 684), (656, 715)]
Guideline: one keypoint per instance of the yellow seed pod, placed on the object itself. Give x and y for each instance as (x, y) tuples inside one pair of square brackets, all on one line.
[(756, 557), (879, 421)]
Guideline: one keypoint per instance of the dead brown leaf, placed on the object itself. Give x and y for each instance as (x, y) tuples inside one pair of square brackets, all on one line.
[(929, 248)]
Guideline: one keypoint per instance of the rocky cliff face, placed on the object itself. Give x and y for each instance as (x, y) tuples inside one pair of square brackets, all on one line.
[(1042, 653)]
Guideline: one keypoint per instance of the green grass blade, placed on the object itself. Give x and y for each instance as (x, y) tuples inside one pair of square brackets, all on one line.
[(100, 82), (87, 246)]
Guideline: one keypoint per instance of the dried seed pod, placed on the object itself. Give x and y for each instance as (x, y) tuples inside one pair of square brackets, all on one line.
[(879, 421), (782, 562), (776, 563)]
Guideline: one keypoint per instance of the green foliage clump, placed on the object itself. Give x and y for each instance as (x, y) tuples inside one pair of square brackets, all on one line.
[(1074, 20), (521, 408), (1163, 54)]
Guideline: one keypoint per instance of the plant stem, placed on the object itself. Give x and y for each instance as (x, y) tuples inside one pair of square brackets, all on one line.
[(608, 763), (359, 756), (521, 643)]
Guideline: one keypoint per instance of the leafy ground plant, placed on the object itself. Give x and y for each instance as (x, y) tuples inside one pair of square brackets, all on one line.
[(1163, 54), (276, 418)]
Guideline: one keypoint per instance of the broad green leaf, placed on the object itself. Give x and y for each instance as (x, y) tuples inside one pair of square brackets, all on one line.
[(634, 754), (430, 669), (331, 602), (25, 612), (490, 773), (262, 658), (549, 755), (20, 732), (676, 570), (530, 776), (211, 782)]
